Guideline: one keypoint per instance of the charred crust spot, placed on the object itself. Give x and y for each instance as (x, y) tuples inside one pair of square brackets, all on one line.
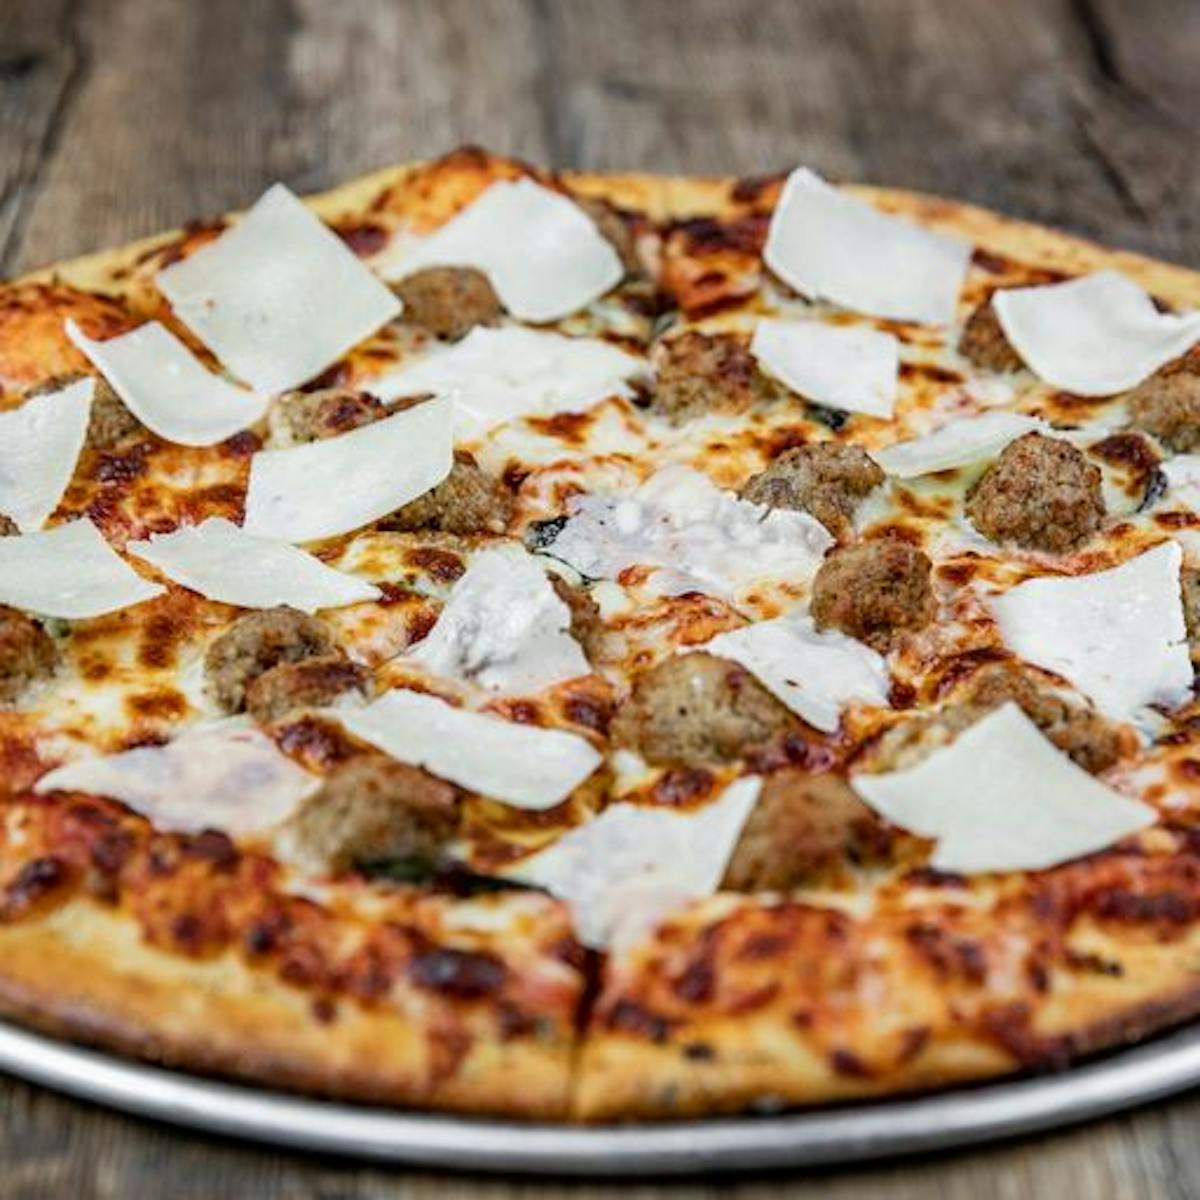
[(680, 787), (35, 884), (628, 1016), (846, 1062), (463, 974), (443, 565), (950, 956)]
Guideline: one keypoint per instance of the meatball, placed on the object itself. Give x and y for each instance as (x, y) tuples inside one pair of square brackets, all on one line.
[(369, 808), (696, 709), (697, 373), (255, 643), (449, 301), (1041, 493), (802, 828), (468, 500), (616, 230), (8, 527), (300, 417), (586, 626), (826, 479), (1168, 405), (874, 590), (110, 423), (983, 343), (310, 683), (27, 653)]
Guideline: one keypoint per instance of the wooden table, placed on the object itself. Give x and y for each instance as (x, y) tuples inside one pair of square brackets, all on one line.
[(121, 117)]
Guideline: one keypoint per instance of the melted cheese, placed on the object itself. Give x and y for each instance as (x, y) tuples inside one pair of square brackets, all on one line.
[(828, 244), (220, 561), (278, 297), (957, 444), (1002, 798), (504, 628), (341, 483), (39, 445)]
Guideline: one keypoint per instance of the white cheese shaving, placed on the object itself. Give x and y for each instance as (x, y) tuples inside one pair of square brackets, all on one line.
[(220, 561), (816, 674), (497, 375), (1093, 336), (842, 366), (1001, 797), (699, 537), (69, 571), (278, 297), (826, 243), (957, 444), (1117, 635), (227, 776), (332, 486), (503, 628), (522, 765), (542, 252), (167, 388), (633, 865), (39, 445), (1182, 473)]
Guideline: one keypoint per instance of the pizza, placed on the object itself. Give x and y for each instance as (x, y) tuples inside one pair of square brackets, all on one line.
[(600, 647)]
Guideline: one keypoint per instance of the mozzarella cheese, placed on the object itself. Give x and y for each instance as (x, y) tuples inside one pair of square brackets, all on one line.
[(1093, 336), (39, 445), (841, 366), (497, 375), (699, 537), (167, 388), (227, 776), (503, 628), (824, 242), (816, 674), (332, 486), (1003, 798), (220, 561), (957, 444), (522, 765), (69, 571), (633, 865), (1117, 635), (278, 297), (543, 254)]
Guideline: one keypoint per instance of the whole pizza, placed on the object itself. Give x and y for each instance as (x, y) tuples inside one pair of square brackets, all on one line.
[(594, 647)]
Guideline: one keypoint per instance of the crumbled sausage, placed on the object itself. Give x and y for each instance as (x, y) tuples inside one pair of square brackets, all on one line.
[(1168, 405), (826, 479), (802, 828), (1041, 493), (27, 653), (255, 643), (468, 500), (1189, 581), (449, 301), (8, 527), (697, 373), (983, 342), (299, 417), (371, 807), (310, 683), (696, 709), (110, 423), (873, 590), (616, 230), (586, 626)]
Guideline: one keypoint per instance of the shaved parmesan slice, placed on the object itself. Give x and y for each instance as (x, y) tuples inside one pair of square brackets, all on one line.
[(543, 254), (341, 483), (633, 865), (278, 297), (220, 561), (958, 444), (1183, 479), (841, 366), (69, 571), (503, 628), (227, 776), (167, 388), (1001, 797), (522, 765), (814, 673), (1117, 635), (496, 375), (826, 243), (39, 445), (699, 537), (1092, 336)]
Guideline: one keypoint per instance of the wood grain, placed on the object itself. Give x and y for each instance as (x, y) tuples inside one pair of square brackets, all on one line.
[(121, 117)]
